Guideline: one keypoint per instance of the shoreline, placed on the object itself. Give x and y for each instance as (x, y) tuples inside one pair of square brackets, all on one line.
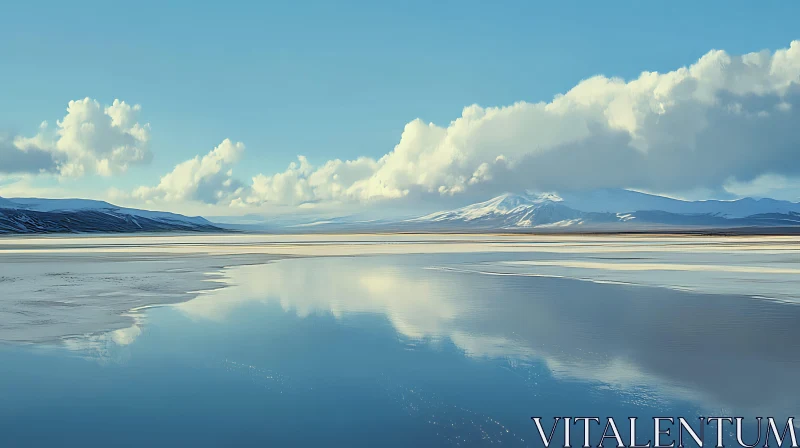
[(660, 232)]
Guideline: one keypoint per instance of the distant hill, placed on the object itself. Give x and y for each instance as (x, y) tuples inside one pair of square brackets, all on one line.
[(33, 215)]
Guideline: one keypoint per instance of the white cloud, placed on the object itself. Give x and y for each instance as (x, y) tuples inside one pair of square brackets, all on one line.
[(302, 183), (724, 117), (91, 139), (722, 122), (726, 123), (207, 179)]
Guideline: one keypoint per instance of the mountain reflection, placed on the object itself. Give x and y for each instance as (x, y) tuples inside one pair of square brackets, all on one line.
[(717, 350)]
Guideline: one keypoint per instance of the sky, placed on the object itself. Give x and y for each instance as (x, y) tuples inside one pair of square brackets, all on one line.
[(238, 108)]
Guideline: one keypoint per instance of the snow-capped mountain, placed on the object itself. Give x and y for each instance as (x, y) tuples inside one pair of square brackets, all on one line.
[(610, 210), (589, 211), (33, 215), (508, 211)]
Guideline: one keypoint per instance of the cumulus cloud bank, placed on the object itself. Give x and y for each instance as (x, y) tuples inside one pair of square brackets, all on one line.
[(91, 139), (722, 120)]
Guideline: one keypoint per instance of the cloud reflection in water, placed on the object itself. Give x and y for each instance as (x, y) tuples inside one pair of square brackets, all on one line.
[(716, 350)]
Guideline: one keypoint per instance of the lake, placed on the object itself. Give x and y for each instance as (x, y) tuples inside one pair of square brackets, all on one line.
[(386, 340)]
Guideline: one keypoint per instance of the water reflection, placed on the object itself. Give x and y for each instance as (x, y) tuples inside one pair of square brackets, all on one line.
[(716, 350), (399, 351)]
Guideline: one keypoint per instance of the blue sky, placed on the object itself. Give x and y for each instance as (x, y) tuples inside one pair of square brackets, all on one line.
[(334, 80)]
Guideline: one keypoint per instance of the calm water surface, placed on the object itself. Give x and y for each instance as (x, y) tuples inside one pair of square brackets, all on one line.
[(399, 351)]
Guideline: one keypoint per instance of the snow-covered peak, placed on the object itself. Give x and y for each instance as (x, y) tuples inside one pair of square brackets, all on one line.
[(502, 205), (513, 210), (510, 201)]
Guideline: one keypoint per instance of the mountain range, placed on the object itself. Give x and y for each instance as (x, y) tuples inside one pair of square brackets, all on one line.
[(609, 210), (613, 209), (33, 215)]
